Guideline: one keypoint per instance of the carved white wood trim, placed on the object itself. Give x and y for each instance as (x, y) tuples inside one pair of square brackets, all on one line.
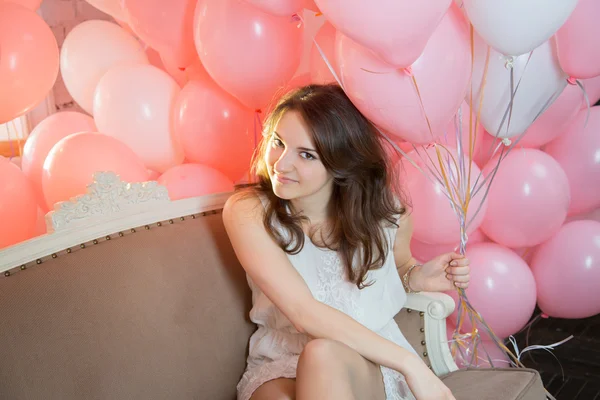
[(437, 307), (110, 206), (107, 198)]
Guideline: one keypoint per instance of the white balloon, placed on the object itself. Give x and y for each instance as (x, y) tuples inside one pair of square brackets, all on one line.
[(91, 49), (133, 104), (515, 27), (540, 81)]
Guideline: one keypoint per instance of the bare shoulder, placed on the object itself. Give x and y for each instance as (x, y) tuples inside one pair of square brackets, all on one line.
[(243, 208)]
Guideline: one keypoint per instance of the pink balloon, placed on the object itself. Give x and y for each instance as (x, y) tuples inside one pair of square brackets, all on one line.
[(528, 199), (18, 206), (388, 96), (593, 215), (252, 55), (502, 289), (41, 140), (578, 153), (434, 219), (183, 75), (281, 8), (72, 162), (133, 103), (310, 5), (29, 60), (555, 120), (426, 251), (567, 271), (319, 71), (153, 175), (397, 31), (111, 7), (577, 50), (592, 89), (488, 148), (193, 180), (167, 29), (214, 128), (33, 5)]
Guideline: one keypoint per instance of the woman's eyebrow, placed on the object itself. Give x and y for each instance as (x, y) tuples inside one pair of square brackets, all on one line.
[(299, 148)]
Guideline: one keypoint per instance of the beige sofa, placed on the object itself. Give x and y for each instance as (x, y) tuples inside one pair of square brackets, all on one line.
[(133, 296)]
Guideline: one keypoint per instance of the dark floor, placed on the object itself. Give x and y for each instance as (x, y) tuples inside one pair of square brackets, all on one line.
[(579, 358)]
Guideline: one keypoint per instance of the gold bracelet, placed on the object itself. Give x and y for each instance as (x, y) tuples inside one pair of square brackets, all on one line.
[(406, 277)]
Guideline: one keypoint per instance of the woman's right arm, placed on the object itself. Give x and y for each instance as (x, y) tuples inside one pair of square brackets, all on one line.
[(270, 269)]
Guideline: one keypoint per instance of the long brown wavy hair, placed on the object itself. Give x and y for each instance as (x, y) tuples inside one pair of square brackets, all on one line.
[(365, 193)]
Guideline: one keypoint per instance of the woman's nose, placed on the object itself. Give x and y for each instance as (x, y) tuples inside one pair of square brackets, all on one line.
[(284, 163)]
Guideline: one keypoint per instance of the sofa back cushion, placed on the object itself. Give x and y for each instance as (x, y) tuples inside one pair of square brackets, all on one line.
[(159, 313)]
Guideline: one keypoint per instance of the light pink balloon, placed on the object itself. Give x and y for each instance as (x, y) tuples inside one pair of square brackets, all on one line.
[(593, 215), (41, 140), (577, 50), (169, 30), (567, 271), (434, 219), (214, 128), (578, 153), (33, 5), (388, 96), (72, 162), (592, 89), (426, 251), (281, 8), (311, 5), (133, 103), (488, 148), (193, 180), (29, 60), (252, 55), (397, 31), (501, 289), (319, 71), (555, 120), (528, 198), (89, 51), (18, 205)]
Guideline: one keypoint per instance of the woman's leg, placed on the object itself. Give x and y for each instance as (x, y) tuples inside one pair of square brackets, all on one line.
[(328, 369), (277, 389)]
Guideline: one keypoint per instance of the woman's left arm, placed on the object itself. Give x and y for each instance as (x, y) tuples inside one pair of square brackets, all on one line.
[(444, 272)]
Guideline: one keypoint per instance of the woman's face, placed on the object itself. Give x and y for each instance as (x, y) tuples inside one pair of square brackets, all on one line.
[(295, 168)]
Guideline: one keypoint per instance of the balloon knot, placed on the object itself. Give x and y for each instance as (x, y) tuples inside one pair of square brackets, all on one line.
[(506, 141), (181, 68), (318, 14), (408, 71), (545, 316), (258, 111), (572, 81)]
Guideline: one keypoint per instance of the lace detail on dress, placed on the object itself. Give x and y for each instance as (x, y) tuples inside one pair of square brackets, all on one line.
[(334, 289), (254, 377), (395, 385)]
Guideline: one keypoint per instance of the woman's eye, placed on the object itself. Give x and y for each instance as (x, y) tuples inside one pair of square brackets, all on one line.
[(277, 142), (307, 156)]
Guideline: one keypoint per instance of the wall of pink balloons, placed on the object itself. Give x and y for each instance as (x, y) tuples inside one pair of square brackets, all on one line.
[(177, 93)]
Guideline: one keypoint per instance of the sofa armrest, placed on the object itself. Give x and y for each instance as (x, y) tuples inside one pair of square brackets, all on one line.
[(436, 307)]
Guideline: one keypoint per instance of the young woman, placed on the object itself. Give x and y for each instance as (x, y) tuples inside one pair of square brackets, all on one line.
[(324, 240)]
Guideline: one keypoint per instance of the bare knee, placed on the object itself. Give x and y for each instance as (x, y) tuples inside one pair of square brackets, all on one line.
[(319, 354)]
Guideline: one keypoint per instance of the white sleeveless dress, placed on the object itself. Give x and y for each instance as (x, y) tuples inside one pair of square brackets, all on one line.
[(276, 345)]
